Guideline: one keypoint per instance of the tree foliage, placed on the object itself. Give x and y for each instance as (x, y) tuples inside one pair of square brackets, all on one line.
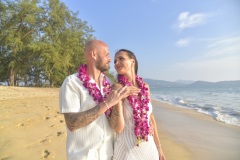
[(40, 41)]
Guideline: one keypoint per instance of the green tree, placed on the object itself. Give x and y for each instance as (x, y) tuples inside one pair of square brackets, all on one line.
[(40, 41), (64, 37), (18, 26)]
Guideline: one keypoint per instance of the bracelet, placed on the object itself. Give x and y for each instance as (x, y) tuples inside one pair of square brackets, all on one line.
[(106, 104)]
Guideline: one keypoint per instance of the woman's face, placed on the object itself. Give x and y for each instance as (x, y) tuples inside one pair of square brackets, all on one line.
[(123, 64)]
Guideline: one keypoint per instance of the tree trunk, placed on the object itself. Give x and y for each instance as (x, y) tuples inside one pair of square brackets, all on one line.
[(11, 78), (51, 83), (25, 83)]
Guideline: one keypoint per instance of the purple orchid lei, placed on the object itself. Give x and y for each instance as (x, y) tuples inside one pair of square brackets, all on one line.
[(92, 87), (140, 108)]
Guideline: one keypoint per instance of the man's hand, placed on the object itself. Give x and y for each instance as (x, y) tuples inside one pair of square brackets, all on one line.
[(132, 90), (118, 92)]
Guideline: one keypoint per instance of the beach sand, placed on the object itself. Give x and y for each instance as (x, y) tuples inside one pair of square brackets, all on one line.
[(31, 127), (200, 135)]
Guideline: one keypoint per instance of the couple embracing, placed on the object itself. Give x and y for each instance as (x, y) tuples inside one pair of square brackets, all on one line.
[(94, 108)]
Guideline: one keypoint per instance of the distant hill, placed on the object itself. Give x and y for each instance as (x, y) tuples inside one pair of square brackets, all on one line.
[(220, 83), (198, 83), (162, 83), (179, 83), (184, 81)]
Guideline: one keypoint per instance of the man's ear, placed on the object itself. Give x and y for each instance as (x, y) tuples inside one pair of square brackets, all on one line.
[(94, 54)]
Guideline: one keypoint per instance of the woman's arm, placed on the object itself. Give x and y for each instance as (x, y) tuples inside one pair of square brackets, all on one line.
[(155, 132), (156, 138)]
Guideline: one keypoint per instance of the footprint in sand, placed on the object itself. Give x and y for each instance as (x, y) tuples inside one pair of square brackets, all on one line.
[(47, 107), (26, 123), (20, 124), (46, 118), (52, 125), (59, 133), (44, 141), (6, 158), (45, 154), (47, 140), (61, 121)]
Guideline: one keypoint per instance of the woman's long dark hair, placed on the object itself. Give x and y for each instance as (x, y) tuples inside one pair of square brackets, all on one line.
[(131, 55)]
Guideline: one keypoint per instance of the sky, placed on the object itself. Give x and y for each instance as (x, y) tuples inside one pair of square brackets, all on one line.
[(172, 39)]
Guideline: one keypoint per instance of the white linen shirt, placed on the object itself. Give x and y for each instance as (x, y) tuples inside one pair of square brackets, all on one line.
[(95, 140)]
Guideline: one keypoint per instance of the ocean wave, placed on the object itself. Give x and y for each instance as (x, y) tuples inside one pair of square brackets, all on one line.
[(228, 119), (217, 112)]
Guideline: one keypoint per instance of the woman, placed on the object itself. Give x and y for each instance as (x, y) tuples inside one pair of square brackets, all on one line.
[(131, 117)]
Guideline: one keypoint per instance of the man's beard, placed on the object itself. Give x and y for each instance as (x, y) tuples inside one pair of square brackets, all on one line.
[(100, 66)]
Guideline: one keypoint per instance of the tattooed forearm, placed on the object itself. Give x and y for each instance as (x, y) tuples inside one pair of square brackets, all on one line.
[(77, 120), (114, 118)]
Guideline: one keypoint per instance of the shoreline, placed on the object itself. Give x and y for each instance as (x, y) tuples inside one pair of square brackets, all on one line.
[(201, 135)]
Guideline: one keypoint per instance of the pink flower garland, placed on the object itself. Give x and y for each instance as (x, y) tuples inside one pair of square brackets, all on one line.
[(92, 87), (140, 108)]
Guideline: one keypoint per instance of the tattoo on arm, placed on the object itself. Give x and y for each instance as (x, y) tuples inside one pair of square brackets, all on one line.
[(77, 120), (114, 118)]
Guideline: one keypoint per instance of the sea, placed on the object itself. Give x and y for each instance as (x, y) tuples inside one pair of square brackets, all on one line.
[(221, 100)]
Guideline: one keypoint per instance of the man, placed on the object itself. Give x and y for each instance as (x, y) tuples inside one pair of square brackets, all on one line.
[(85, 101)]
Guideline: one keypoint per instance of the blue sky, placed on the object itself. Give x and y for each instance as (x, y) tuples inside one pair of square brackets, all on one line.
[(172, 39)]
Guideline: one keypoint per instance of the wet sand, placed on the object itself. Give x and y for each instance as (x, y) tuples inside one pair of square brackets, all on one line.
[(201, 136)]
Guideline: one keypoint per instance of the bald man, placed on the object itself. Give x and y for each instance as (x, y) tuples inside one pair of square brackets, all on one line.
[(89, 135)]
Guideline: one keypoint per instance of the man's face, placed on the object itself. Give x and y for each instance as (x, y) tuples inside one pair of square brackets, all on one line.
[(103, 59)]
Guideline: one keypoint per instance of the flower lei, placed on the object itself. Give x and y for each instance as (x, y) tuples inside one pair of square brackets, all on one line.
[(92, 87), (140, 108)]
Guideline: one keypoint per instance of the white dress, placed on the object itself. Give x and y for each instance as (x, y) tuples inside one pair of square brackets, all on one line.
[(125, 144)]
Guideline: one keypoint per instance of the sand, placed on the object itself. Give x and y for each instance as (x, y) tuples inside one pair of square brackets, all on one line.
[(31, 127), (201, 135)]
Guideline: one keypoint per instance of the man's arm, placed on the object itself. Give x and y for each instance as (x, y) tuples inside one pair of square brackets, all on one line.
[(78, 120)]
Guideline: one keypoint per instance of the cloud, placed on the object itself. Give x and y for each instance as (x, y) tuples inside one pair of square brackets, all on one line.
[(187, 20), (183, 42), (224, 51), (226, 68), (224, 46), (220, 61), (225, 41)]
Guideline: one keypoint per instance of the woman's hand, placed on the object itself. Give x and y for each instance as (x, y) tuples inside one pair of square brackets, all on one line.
[(161, 154)]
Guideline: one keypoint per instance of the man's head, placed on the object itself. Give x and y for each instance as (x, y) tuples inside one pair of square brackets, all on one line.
[(97, 53)]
